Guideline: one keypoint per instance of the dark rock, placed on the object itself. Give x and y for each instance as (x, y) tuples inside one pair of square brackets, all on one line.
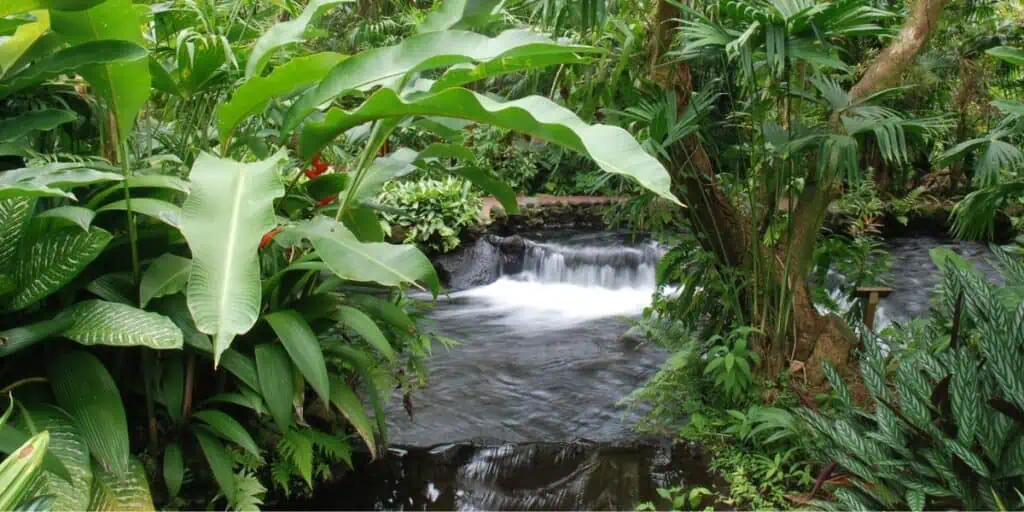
[(513, 245)]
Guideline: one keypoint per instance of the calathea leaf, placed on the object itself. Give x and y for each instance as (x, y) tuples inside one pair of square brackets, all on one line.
[(49, 180), (54, 260), (348, 258), (85, 389), (612, 148), (284, 33), (68, 445), (226, 214), (98, 322), (14, 216)]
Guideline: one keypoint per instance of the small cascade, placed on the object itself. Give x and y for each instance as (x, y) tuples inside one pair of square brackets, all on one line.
[(612, 267)]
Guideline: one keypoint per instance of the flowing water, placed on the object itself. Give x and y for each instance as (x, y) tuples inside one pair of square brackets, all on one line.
[(523, 413)]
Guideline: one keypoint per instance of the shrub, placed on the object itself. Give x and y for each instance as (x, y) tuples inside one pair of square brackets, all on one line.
[(431, 212), (948, 413), (509, 157)]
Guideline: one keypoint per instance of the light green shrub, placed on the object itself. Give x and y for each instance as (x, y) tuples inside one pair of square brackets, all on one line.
[(431, 212)]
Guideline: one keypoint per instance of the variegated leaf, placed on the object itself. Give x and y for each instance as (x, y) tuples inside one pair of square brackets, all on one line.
[(98, 322), (53, 261)]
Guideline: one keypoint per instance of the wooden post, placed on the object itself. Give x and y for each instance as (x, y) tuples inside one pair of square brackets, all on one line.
[(873, 293)]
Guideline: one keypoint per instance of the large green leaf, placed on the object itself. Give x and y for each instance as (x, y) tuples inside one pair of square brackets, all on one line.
[(85, 389), (121, 492), (611, 147), (283, 34), (68, 445), (229, 429), (391, 65), (71, 59), (255, 93), (228, 211), (49, 179), (15, 47), (123, 85), (303, 347), (454, 14), (277, 383), (1009, 54), (166, 275), (348, 258), (219, 460), (46, 119), (348, 403), (74, 215), (366, 328), (16, 6), (98, 322), (53, 261)]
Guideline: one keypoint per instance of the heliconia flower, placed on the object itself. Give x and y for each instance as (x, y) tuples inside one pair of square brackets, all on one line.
[(326, 201), (318, 167), (269, 236)]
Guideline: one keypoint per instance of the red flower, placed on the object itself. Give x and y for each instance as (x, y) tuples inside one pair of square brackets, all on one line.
[(326, 201), (269, 236), (317, 168)]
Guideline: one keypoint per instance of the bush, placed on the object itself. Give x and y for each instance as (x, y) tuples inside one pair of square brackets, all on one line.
[(507, 156), (945, 428), (431, 212)]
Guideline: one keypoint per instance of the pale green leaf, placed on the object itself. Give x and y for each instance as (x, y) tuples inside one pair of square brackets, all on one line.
[(228, 211), (123, 85), (20, 471), (16, 6), (611, 147), (303, 347), (81, 217), (284, 33), (348, 258), (98, 322), (454, 14), (166, 275), (165, 212), (53, 260), (13, 48), (85, 389), (48, 180)]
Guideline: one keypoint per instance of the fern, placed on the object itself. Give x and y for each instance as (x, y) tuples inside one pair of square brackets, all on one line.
[(249, 492)]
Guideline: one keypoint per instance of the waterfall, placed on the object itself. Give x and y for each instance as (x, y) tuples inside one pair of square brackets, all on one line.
[(615, 267)]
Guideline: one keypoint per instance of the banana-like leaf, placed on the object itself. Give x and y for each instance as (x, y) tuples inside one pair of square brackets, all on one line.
[(53, 261), (228, 211), (174, 469), (389, 66), (253, 96), (165, 212), (76, 215), (42, 120), (16, 6), (229, 429), (364, 223), (1009, 54), (284, 33), (277, 383), (15, 47), (167, 275), (70, 59), (14, 217), (219, 460), (366, 328), (68, 445), (303, 347), (121, 492), (49, 179), (612, 148), (20, 471), (455, 14), (348, 258), (348, 403), (85, 389), (123, 85), (98, 322)]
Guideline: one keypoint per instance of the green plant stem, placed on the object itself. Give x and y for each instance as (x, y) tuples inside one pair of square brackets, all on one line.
[(133, 236)]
